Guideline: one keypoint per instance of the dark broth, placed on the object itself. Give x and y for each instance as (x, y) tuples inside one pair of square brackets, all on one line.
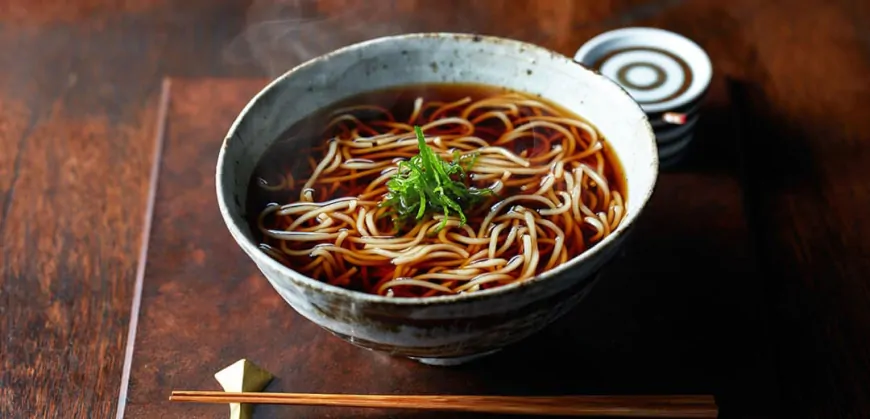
[(304, 145)]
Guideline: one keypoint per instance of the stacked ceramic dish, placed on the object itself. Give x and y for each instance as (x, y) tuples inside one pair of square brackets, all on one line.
[(667, 75)]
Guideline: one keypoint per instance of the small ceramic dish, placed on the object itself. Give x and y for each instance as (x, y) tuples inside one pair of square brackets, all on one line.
[(661, 70)]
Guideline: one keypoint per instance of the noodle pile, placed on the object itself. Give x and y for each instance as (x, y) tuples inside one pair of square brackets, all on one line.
[(552, 199)]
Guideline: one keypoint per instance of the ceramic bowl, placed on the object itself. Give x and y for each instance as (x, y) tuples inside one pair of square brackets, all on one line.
[(449, 329)]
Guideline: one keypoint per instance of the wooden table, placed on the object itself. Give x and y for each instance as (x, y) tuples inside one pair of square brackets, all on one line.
[(82, 94)]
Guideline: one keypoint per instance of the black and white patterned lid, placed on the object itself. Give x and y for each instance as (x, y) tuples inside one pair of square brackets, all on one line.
[(661, 70)]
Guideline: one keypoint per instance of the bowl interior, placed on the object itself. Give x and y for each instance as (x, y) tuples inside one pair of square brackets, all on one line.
[(433, 58)]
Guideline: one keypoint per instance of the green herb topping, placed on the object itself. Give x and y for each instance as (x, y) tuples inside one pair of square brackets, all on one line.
[(428, 184)]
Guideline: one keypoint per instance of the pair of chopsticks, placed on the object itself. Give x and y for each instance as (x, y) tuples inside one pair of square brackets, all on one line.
[(688, 406)]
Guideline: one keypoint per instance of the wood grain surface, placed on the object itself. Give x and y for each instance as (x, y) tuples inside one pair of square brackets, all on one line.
[(79, 83), (79, 87)]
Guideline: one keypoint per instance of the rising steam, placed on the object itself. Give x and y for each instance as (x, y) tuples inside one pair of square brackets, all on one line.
[(281, 34)]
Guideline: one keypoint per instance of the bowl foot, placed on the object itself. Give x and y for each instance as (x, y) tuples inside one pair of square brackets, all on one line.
[(454, 361)]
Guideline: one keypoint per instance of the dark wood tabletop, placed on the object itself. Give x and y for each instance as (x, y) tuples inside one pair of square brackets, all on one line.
[(671, 315), (769, 309)]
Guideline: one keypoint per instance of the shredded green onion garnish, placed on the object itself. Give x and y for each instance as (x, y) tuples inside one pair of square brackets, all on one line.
[(427, 184)]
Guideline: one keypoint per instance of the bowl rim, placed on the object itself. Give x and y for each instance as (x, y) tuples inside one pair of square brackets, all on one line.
[(249, 247)]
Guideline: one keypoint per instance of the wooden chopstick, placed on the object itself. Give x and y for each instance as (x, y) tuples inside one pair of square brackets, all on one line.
[(678, 406)]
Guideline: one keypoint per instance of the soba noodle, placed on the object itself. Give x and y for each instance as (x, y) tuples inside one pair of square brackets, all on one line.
[(554, 196)]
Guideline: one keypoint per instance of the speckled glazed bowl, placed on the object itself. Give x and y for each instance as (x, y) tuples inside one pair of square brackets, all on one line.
[(450, 329)]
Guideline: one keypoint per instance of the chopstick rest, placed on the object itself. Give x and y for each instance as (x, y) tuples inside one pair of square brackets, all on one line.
[(243, 376)]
